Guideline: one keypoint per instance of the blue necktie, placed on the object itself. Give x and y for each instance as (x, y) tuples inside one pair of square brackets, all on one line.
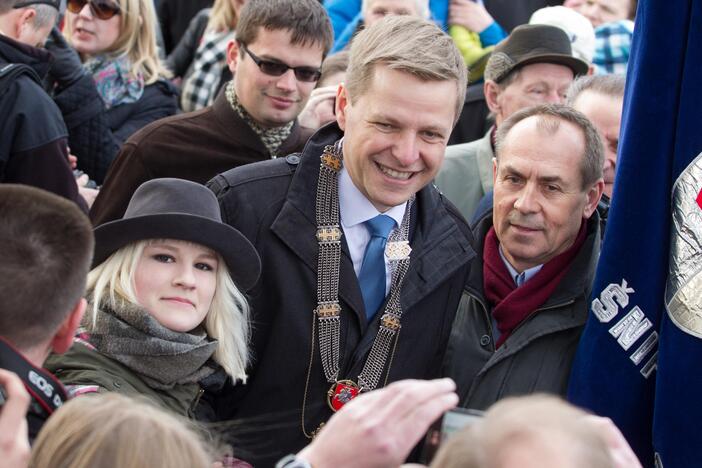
[(372, 276)]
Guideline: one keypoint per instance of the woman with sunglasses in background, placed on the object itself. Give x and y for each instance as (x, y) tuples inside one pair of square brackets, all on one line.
[(121, 85), (200, 58)]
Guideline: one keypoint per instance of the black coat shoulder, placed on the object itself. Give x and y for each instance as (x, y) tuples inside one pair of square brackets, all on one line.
[(253, 191), (263, 175)]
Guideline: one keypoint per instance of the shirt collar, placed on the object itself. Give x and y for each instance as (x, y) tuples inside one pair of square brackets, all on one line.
[(354, 207), (519, 278)]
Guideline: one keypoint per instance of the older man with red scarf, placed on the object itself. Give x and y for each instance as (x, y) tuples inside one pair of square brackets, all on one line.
[(525, 302)]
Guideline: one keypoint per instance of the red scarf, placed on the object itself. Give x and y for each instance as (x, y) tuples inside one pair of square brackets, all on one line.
[(511, 305)]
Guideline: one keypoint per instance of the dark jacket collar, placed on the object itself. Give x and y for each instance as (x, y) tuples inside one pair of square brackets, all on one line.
[(439, 246), (12, 51), (557, 313)]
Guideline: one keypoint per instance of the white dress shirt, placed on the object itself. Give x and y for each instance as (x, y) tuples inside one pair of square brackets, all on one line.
[(354, 210)]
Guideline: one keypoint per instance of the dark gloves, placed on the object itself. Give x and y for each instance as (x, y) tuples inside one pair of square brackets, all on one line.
[(66, 67)]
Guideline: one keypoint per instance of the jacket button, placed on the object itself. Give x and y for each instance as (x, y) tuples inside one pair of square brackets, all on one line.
[(485, 340), (292, 159)]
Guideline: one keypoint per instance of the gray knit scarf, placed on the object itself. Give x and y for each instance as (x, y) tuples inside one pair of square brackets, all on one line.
[(161, 357), (272, 138)]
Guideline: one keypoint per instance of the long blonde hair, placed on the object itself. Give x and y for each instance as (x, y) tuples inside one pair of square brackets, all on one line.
[(136, 40), (114, 430), (111, 283), (222, 16)]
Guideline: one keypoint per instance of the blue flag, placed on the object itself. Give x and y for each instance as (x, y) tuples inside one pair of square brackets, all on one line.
[(640, 354)]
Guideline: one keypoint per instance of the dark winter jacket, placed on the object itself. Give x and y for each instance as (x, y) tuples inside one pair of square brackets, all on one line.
[(194, 146), (273, 204), (33, 147), (174, 17), (537, 356), (180, 59), (97, 133)]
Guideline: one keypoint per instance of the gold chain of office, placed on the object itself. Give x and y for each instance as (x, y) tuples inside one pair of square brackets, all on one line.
[(326, 317)]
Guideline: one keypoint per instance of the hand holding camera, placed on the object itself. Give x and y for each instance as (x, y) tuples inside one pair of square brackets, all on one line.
[(386, 423), (14, 401)]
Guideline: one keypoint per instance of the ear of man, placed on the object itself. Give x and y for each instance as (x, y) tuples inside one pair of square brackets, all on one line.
[(25, 19), (593, 194), (63, 338), (341, 104), (232, 55), (492, 92)]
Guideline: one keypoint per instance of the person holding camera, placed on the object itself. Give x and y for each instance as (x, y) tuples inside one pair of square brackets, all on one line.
[(14, 403), (46, 244)]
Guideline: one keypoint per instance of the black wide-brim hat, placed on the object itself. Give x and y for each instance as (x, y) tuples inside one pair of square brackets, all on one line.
[(182, 210), (537, 43)]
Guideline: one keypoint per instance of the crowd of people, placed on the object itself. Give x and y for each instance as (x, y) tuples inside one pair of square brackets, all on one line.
[(296, 233)]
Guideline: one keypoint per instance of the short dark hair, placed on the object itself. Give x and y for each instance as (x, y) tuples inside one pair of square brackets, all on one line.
[(550, 116), (46, 247), (307, 21), (608, 85)]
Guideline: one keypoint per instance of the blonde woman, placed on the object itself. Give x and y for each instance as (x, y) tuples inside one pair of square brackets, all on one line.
[(116, 431), (167, 317), (200, 57), (122, 83)]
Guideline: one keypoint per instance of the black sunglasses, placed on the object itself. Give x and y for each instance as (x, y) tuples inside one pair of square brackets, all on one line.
[(101, 9), (307, 74)]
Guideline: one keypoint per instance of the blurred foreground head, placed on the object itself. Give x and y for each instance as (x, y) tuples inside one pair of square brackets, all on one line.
[(534, 431), (114, 430), (46, 246)]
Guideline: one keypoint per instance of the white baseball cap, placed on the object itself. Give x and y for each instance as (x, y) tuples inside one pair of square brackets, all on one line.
[(577, 27)]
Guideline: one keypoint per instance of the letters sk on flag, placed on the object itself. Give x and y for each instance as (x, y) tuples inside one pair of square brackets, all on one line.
[(640, 354)]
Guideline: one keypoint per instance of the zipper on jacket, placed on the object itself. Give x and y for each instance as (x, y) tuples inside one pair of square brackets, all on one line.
[(195, 402)]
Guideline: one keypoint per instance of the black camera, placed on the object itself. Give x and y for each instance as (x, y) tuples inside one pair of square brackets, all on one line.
[(450, 423)]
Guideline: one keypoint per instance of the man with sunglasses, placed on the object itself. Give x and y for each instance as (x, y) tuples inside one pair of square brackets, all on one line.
[(33, 136), (275, 60)]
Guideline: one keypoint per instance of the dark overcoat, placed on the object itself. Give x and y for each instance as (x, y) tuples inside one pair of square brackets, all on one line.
[(273, 204), (538, 355)]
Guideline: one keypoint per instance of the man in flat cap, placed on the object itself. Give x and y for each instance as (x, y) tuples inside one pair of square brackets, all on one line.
[(534, 65)]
